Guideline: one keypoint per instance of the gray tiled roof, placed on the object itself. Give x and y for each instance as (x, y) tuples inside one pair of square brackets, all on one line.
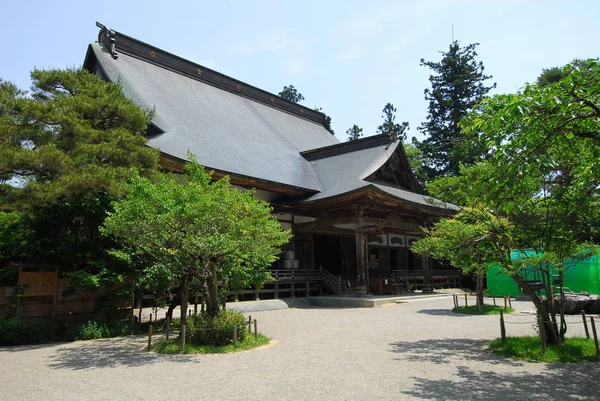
[(346, 173), (241, 135), (225, 131)]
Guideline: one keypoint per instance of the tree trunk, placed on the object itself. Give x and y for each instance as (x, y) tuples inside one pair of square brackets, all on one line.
[(175, 302), (550, 329), (184, 305), (212, 301), (479, 290)]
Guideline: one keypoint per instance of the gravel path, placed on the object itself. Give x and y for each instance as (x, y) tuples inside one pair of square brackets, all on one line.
[(412, 351)]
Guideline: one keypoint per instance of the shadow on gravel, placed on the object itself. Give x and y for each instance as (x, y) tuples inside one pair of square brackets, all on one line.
[(442, 312), (558, 382), (448, 351), (23, 348), (89, 355)]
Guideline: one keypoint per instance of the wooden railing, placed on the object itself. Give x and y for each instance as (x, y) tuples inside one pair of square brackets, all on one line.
[(295, 275), (416, 278), (334, 283)]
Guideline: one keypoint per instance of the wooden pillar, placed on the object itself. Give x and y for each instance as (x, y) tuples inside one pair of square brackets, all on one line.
[(426, 264), (293, 240), (361, 254)]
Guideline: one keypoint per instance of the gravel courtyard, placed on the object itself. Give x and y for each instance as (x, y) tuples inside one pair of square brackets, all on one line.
[(412, 351)]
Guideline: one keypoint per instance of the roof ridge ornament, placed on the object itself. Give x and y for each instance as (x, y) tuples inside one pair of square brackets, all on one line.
[(107, 37)]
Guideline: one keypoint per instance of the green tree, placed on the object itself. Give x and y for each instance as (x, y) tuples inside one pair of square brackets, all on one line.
[(470, 241), (457, 85), (390, 127), (327, 122), (542, 175), (66, 149), (197, 229), (418, 163), (354, 133), (291, 94)]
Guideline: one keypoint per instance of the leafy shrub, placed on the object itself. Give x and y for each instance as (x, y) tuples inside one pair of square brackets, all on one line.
[(93, 330), (16, 332), (218, 330)]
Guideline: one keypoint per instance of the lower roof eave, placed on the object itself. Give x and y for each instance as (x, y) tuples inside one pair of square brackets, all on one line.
[(362, 197)]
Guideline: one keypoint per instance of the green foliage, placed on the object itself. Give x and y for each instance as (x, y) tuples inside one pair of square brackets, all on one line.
[(291, 94), (204, 329), (74, 134), (197, 229), (550, 76), (93, 330), (457, 85), (541, 175), (14, 236), (389, 125), (17, 332), (354, 133), (469, 240), (174, 347), (67, 148), (485, 310), (572, 350), (327, 121), (419, 164)]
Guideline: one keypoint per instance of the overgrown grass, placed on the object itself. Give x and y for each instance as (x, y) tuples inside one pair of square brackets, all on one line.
[(173, 346), (485, 310), (572, 350)]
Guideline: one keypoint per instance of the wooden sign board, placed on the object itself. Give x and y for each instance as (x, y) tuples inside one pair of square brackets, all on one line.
[(39, 283)]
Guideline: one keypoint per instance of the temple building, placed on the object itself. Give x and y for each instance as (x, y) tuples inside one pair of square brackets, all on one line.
[(354, 208)]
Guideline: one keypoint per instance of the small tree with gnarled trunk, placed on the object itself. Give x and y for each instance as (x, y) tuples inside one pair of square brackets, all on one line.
[(196, 229)]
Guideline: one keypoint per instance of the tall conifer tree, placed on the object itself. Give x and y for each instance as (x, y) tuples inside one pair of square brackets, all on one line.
[(457, 84)]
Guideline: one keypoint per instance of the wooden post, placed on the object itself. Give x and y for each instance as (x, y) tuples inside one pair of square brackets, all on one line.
[(168, 326), (361, 252), (595, 335), (141, 305), (255, 329), (542, 334), (183, 338), (494, 298), (149, 337), (502, 328), (585, 325), (235, 335), (454, 300), (466, 303), (150, 317), (132, 315), (54, 300), (250, 324), (509, 301), (505, 303)]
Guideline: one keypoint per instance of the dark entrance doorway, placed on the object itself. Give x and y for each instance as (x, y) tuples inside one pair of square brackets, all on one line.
[(328, 253)]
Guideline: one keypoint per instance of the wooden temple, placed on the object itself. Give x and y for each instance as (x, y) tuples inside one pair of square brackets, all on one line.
[(354, 208)]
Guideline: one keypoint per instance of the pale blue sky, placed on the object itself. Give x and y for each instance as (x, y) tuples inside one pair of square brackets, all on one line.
[(348, 57)]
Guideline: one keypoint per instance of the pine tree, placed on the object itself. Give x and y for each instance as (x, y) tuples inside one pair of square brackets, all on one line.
[(458, 84), (389, 126), (354, 133), (291, 94), (65, 151)]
